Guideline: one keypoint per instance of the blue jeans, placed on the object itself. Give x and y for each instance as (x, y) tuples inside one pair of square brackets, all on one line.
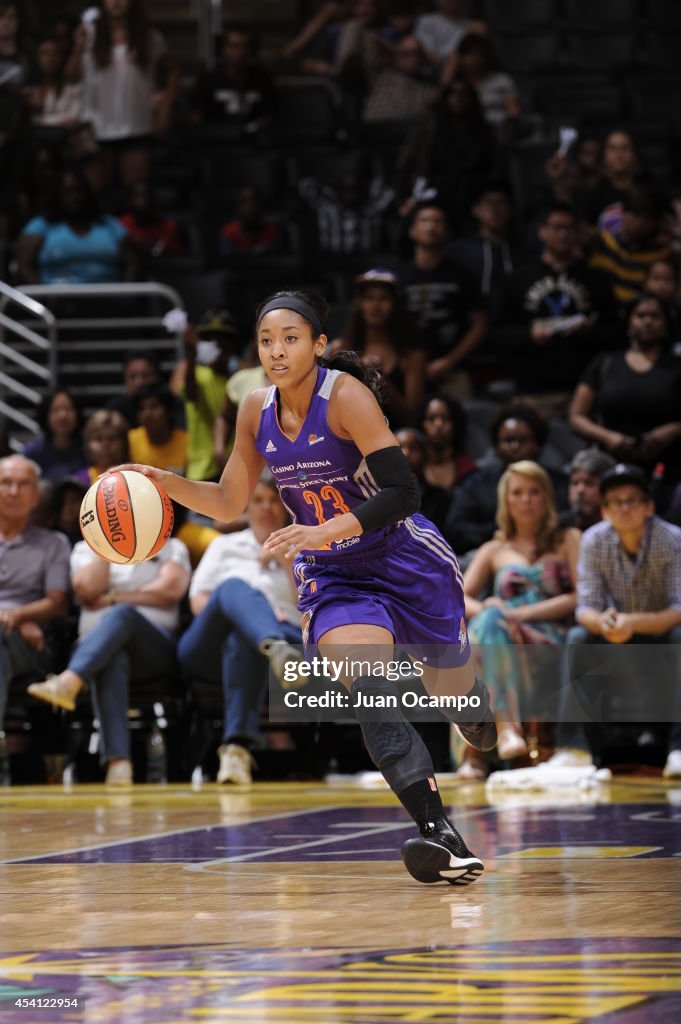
[(18, 658), (223, 643), (123, 647), (571, 731)]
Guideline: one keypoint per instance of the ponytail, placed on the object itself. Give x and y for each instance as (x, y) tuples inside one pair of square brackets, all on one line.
[(350, 362)]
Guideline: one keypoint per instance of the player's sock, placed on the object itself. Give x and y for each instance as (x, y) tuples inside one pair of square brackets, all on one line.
[(422, 801)]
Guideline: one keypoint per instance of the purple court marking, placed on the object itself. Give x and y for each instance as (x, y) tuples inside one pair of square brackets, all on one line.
[(364, 834), (497, 980)]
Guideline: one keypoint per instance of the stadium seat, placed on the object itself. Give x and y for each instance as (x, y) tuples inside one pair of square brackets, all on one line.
[(656, 96), (663, 51), (519, 14), (577, 96), (527, 174), (665, 14), (309, 109), (596, 51), (229, 170), (602, 14), (534, 51)]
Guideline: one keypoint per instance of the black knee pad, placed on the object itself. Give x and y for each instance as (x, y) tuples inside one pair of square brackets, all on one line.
[(385, 731)]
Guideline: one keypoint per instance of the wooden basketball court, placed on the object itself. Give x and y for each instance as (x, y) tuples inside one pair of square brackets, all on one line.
[(287, 903)]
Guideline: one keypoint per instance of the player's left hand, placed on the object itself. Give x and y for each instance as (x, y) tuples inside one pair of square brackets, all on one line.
[(296, 538)]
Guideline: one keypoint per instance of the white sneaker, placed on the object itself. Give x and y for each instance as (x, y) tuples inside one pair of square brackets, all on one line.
[(510, 744), (119, 773), (672, 769), (236, 765), (570, 757)]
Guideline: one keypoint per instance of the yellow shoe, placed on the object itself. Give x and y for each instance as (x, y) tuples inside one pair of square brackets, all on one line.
[(53, 691)]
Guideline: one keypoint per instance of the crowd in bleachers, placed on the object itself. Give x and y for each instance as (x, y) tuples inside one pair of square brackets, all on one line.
[(486, 194)]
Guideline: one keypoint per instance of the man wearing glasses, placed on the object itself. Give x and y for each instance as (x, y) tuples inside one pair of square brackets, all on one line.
[(628, 592)]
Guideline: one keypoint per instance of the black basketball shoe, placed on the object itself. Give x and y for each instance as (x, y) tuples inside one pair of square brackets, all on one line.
[(481, 733), (439, 854)]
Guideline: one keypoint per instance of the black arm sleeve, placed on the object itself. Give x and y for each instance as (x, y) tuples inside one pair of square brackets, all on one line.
[(399, 494)]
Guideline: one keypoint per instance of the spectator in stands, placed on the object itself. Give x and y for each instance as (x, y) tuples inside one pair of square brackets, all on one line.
[(154, 233), (39, 182), (35, 577), (157, 441), (628, 592), (250, 233), (238, 92), (211, 356), (59, 449), (662, 280), (121, 59), (244, 604), (626, 255), (54, 102), (452, 148), (488, 255), (355, 46), (75, 243), (13, 113), (434, 500), (106, 442), (444, 422), (249, 376), (66, 499), (555, 311), (531, 567), (629, 402), (442, 32), (574, 176), (584, 497), (519, 433), (126, 634), (384, 334), (622, 170), (140, 369), (435, 454), (349, 220), (498, 94), (447, 306), (404, 91)]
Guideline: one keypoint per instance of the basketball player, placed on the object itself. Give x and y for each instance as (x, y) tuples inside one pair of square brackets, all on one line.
[(371, 571)]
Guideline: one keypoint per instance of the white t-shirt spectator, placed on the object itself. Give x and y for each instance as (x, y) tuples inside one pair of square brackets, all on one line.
[(132, 577), (439, 35), (237, 556), (493, 94), (118, 98)]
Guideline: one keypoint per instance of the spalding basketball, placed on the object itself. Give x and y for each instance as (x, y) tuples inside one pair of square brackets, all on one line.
[(126, 517)]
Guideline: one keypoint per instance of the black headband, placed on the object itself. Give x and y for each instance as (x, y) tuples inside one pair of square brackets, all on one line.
[(299, 306)]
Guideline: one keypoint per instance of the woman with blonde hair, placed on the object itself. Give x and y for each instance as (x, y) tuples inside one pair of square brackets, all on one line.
[(530, 566), (106, 442)]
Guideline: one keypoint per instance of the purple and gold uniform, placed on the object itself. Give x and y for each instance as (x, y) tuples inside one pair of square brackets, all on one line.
[(404, 577)]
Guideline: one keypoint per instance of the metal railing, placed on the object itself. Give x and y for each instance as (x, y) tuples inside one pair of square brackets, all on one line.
[(31, 356), (84, 331)]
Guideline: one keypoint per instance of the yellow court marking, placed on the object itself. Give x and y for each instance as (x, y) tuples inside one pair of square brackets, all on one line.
[(561, 852)]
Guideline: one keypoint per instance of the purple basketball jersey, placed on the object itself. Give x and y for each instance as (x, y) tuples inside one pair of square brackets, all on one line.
[(319, 475)]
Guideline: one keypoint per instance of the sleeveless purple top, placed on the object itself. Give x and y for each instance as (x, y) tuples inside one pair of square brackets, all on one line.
[(319, 475)]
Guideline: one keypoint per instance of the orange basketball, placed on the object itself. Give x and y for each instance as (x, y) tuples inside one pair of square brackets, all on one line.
[(126, 517)]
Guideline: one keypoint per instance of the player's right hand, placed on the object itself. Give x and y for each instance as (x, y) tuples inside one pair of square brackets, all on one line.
[(159, 475)]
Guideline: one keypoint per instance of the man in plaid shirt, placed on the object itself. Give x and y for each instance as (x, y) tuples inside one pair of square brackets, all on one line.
[(628, 592)]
